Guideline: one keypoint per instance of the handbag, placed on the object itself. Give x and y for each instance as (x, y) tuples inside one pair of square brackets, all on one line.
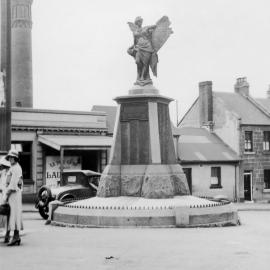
[(4, 209)]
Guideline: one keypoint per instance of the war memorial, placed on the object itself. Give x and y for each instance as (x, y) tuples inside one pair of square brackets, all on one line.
[(143, 185)]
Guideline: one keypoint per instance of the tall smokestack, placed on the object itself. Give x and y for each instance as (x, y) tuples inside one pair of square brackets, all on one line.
[(5, 77), (206, 103), (21, 53)]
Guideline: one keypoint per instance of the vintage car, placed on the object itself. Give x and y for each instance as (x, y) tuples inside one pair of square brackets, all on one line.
[(76, 185)]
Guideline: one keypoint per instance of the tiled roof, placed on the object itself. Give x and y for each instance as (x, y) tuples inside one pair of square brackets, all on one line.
[(265, 102), (111, 114), (199, 145), (245, 107)]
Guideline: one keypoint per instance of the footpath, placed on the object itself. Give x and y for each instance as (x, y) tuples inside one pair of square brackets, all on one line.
[(252, 206)]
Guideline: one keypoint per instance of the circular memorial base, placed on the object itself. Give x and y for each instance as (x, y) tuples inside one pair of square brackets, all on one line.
[(180, 211)]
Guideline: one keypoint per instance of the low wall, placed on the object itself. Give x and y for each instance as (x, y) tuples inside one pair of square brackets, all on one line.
[(88, 213), (199, 216)]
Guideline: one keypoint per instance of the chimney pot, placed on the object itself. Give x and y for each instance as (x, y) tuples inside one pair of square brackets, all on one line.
[(242, 86)]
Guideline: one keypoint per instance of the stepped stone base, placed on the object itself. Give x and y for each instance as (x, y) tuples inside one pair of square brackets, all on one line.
[(143, 186), (179, 211), (148, 181)]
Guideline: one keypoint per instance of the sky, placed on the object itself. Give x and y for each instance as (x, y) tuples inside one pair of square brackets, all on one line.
[(80, 59)]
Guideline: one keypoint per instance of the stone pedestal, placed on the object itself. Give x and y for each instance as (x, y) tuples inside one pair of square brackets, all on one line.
[(143, 161), (141, 185)]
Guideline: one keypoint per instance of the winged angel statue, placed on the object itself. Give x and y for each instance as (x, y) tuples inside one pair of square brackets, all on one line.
[(147, 42)]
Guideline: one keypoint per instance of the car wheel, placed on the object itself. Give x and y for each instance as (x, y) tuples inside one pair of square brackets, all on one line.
[(44, 212), (44, 197)]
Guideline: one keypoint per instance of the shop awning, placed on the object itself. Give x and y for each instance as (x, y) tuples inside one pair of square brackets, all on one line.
[(76, 142)]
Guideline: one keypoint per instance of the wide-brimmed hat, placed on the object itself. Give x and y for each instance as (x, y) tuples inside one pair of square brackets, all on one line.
[(4, 162), (139, 18), (12, 153)]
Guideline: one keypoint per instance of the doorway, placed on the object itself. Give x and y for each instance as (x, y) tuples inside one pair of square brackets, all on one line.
[(248, 185), (188, 173)]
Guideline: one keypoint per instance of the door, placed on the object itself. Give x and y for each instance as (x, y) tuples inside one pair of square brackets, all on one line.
[(188, 173), (248, 186)]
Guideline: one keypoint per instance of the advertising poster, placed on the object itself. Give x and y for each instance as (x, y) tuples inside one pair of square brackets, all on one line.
[(53, 168)]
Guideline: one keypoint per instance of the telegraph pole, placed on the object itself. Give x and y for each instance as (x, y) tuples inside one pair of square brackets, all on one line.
[(5, 78), (176, 104)]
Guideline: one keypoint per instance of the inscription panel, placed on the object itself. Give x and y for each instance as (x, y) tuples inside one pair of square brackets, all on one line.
[(134, 138), (144, 138), (134, 111), (165, 135), (125, 147)]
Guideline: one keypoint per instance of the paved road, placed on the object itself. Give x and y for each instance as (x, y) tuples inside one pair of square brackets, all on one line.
[(48, 247)]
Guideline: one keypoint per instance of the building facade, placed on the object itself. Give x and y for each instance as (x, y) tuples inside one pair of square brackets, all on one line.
[(242, 123), (211, 167), (50, 141)]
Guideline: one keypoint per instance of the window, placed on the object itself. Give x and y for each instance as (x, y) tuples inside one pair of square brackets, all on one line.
[(25, 156), (266, 179), (266, 140), (248, 141), (215, 179)]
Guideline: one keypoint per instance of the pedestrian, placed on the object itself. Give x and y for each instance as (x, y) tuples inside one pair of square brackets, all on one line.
[(4, 167), (14, 197)]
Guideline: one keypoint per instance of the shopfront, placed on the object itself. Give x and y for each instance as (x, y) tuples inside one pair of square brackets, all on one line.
[(73, 153), (50, 141)]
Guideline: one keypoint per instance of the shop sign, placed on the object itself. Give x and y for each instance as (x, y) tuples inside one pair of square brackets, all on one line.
[(53, 168)]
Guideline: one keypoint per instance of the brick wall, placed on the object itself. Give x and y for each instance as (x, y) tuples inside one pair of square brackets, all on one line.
[(205, 102), (256, 161)]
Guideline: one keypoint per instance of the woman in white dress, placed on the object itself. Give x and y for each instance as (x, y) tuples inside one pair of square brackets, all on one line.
[(4, 167), (14, 197)]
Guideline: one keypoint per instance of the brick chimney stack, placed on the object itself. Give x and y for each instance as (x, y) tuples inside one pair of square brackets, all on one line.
[(242, 86), (206, 104)]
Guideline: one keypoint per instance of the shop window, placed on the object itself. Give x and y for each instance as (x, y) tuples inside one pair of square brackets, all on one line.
[(25, 155), (266, 179), (248, 141), (215, 180), (266, 140)]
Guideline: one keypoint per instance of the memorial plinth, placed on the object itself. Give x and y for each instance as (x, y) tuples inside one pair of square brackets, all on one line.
[(143, 161), (143, 186)]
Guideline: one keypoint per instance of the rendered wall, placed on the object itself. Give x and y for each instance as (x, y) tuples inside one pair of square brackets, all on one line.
[(57, 118), (201, 175), (226, 125)]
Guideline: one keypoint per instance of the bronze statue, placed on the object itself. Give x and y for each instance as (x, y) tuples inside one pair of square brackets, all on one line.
[(147, 41)]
